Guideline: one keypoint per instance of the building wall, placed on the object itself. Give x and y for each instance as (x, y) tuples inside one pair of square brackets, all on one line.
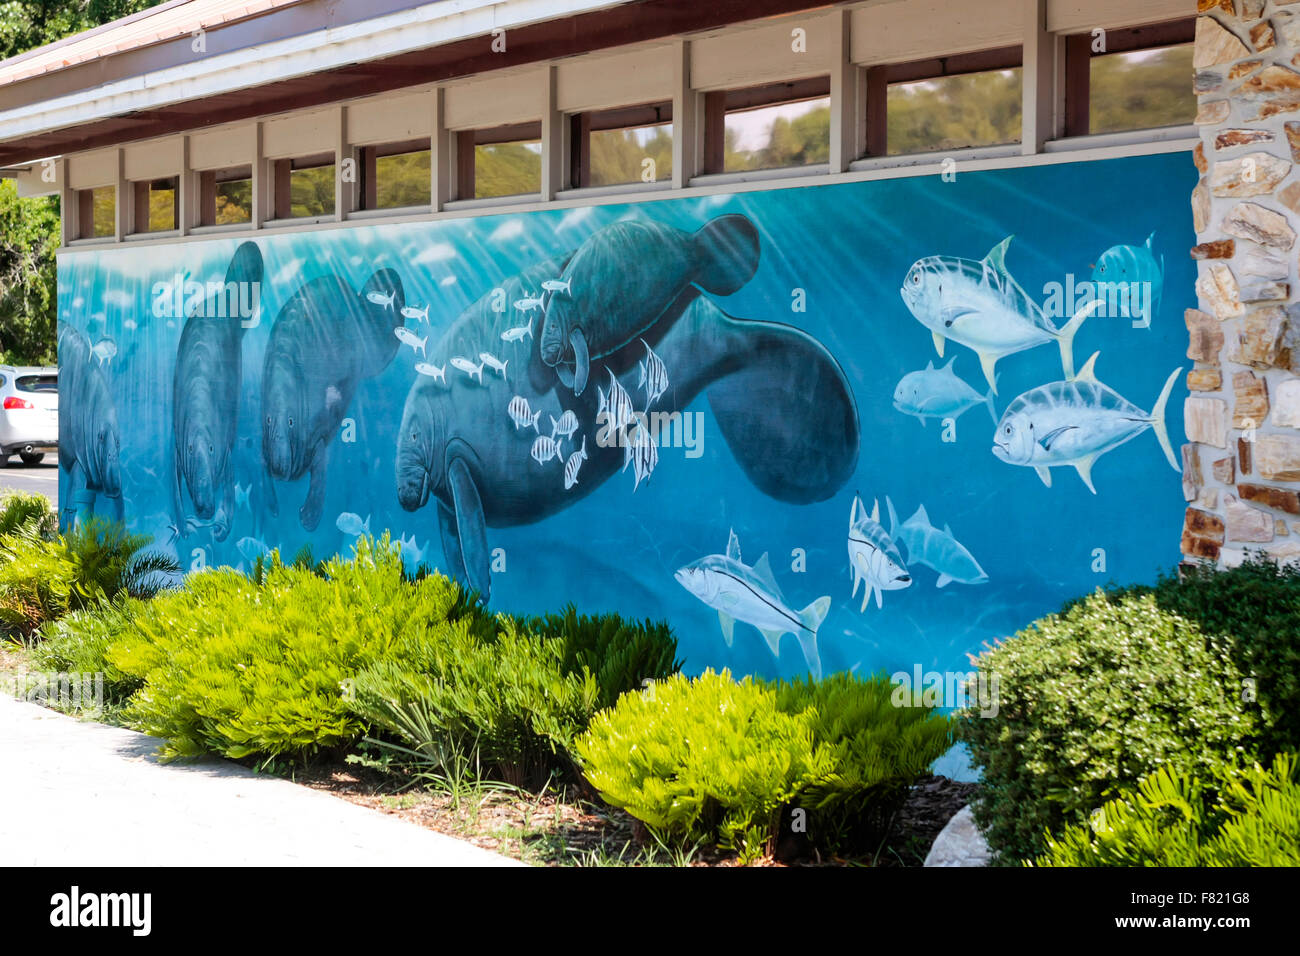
[(1243, 414)]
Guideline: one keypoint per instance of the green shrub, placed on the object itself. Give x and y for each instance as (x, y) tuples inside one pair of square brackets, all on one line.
[(22, 509), (1095, 698), (1244, 818), (1255, 608), (79, 643), (242, 670), (880, 750), (505, 705), (621, 654), (705, 759), (43, 578)]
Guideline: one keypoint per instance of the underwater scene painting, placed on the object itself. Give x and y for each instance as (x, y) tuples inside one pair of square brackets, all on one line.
[(853, 426)]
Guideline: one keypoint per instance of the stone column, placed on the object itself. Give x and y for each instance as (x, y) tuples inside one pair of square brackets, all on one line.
[(1241, 468)]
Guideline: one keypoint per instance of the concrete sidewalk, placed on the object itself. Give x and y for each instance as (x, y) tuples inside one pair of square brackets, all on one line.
[(74, 793)]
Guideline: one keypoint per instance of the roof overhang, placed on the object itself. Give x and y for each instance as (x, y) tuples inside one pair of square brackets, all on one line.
[(315, 52)]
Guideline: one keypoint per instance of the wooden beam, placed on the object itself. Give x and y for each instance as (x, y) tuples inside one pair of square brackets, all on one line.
[(439, 155), (715, 132), (1039, 75), (1078, 83), (553, 145), (876, 137), (847, 127), (465, 187), (687, 146)]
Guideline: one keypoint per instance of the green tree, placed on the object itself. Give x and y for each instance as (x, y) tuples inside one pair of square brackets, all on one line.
[(29, 228)]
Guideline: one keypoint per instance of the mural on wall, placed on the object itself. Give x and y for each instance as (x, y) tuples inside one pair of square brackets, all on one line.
[(601, 405)]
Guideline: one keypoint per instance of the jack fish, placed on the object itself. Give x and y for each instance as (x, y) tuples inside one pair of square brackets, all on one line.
[(979, 305), (1124, 268), (873, 556), (1074, 423), (751, 595), (936, 549), (938, 393)]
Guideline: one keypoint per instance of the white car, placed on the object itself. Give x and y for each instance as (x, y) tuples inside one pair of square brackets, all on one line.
[(29, 416)]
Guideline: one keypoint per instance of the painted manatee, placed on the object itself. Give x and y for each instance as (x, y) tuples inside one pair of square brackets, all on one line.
[(325, 340), (783, 404), (205, 404), (89, 446), (627, 276)]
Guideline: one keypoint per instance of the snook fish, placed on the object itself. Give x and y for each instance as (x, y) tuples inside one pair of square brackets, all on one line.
[(751, 595), (979, 305), (1074, 423), (873, 556)]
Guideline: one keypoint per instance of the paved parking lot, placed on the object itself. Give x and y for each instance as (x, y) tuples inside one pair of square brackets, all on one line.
[(43, 478)]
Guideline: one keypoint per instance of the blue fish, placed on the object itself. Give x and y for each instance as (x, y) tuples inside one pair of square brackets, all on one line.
[(936, 549), (350, 523), (252, 549), (1135, 278), (938, 393)]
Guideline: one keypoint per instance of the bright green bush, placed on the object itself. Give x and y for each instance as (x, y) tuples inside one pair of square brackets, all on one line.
[(79, 643), (880, 750), (23, 509), (705, 759), (1244, 818), (242, 670), (1096, 698), (1255, 608)]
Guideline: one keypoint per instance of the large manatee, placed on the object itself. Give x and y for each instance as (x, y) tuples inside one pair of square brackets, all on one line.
[(782, 402), (627, 276), (205, 400), (325, 340), (89, 446)]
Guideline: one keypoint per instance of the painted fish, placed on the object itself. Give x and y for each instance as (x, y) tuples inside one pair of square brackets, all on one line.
[(751, 595), (411, 312), (350, 523), (412, 550), (555, 285), (979, 305), (545, 448), (378, 298), (528, 303), (252, 548), (407, 337), (521, 414), (642, 452), (573, 464), (517, 333), (566, 425), (494, 363), (436, 372), (241, 496), (468, 367), (1127, 266), (130, 325), (938, 393), (654, 375), (616, 406), (104, 350), (935, 549), (873, 555), (1076, 422)]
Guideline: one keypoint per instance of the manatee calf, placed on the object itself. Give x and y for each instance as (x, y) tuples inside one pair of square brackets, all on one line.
[(781, 400), (626, 277), (205, 402), (325, 340), (89, 447)]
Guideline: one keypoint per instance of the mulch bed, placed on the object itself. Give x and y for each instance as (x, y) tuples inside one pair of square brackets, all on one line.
[(568, 827)]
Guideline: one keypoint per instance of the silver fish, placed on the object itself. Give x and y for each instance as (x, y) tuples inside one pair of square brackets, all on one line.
[(616, 406), (555, 285), (104, 350), (566, 425), (654, 375), (378, 298), (1074, 423), (873, 556), (528, 303), (494, 363), (350, 523), (411, 312), (545, 448), (573, 464), (468, 367), (436, 372), (936, 549), (517, 333), (407, 337), (642, 452), (979, 305), (521, 414), (938, 393)]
